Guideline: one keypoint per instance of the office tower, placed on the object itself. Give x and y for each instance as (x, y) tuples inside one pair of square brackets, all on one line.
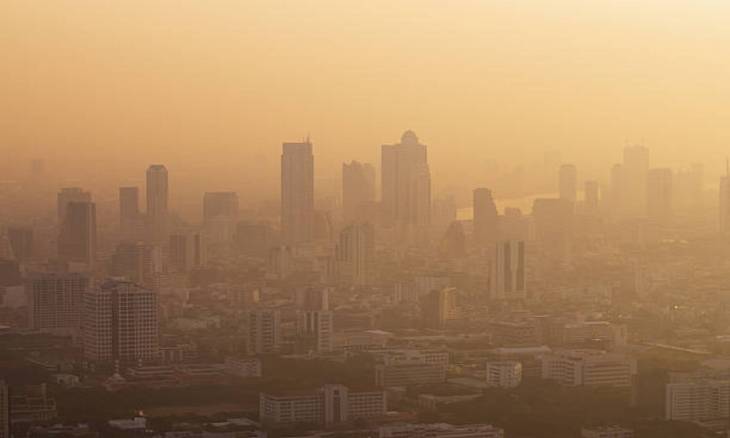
[(513, 225), (312, 298), (4, 410), (128, 208), (659, 194), (406, 183), (316, 327), (138, 262), (568, 182), (508, 273), (69, 194), (77, 239), (438, 307), (157, 201), (354, 254), (297, 192), (635, 170), (220, 215), (591, 196), (255, 238), (120, 323), (21, 242), (358, 191), (55, 301), (187, 250), (553, 220), (262, 331), (486, 218)]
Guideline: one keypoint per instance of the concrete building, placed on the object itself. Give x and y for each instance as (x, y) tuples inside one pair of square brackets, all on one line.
[(331, 404), (508, 277), (406, 184), (55, 301), (120, 322), (129, 214), (263, 328), (589, 368), (410, 367), (245, 367), (157, 202), (439, 307), (504, 374), (77, 237), (69, 194), (700, 401), (138, 262), (354, 254), (220, 216), (297, 193), (317, 328), (187, 250), (659, 195)]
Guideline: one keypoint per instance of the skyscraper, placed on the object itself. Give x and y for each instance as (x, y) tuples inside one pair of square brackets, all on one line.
[(354, 254), (508, 276), (438, 307), (187, 250), (568, 182), (486, 218), (406, 183), (77, 239), (297, 192), (55, 301), (69, 194), (358, 191), (262, 331), (659, 194), (120, 323), (21, 242), (635, 170), (220, 215), (317, 328), (157, 201), (138, 262)]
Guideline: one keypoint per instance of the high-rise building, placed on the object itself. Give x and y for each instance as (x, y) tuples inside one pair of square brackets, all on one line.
[(438, 307), (77, 239), (4, 410), (262, 331), (138, 262), (317, 326), (568, 182), (157, 201), (120, 323), (21, 242), (591, 196), (55, 301), (312, 298), (220, 216), (659, 194), (406, 183), (486, 218), (354, 254), (297, 192), (358, 191), (508, 273), (70, 194), (187, 250)]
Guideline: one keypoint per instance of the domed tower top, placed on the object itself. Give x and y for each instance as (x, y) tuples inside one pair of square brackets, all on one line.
[(409, 137)]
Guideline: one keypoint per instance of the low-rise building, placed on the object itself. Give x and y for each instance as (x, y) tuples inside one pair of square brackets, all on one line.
[(606, 432), (504, 374)]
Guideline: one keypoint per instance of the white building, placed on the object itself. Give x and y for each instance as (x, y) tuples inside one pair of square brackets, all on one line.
[(606, 432), (440, 430), (589, 368), (698, 401), (262, 331), (330, 404), (120, 322), (504, 374), (411, 367)]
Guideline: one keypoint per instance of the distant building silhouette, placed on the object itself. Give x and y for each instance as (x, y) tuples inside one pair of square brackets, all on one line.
[(297, 192), (486, 218), (70, 194), (508, 276), (568, 182), (354, 254), (591, 193), (358, 191), (220, 216), (129, 215), (659, 194), (77, 238), (157, 201)]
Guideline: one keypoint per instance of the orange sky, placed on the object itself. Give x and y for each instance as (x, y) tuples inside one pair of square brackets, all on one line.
[(214, 87)]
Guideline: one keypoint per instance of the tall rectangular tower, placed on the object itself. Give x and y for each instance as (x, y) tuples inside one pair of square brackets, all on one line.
[(297, 192)]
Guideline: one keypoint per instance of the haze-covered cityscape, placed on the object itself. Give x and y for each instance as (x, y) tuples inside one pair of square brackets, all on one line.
[(214, 227)]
